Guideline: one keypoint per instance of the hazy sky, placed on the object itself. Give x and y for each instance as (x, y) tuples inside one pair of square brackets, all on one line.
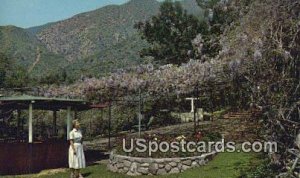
[(28, 13)]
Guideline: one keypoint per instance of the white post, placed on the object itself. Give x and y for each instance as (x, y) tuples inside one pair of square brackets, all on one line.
[(200, 111), (192, 103), (140, 116), (140, 111), (68, 121), (30, 124)]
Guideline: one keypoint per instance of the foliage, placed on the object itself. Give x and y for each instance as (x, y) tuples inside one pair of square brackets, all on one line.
[(96, 31), (221, 16), (51, 78), (281, 82), (267, 50), (12, 75), (91, 44), (170, 34), (29, 59), (120, 56), (17, 77), (4, 66), (258, 62), (152, 82), (260, 168), (219, 114)]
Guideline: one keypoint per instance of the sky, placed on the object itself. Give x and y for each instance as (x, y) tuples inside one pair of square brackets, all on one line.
[(29, 13)]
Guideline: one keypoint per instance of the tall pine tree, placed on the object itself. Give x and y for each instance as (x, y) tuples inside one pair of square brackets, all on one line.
[(170, 34)]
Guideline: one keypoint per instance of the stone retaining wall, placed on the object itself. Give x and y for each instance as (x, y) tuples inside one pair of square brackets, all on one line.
[(134, 166)]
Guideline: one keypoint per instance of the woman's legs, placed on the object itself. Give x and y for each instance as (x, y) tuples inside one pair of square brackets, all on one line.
[(77, 173), (72, 173), (80, 175)]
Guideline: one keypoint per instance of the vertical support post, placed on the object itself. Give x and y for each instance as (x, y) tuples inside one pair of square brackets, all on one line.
[(109, 126), (54, 122), (22, 125), (195, 110), (211, 105), (195, 123), (90, 124), (30, 124), (76, 114), (68, 121), (140, 111), (192, 105), (18, 123), (198, 105)]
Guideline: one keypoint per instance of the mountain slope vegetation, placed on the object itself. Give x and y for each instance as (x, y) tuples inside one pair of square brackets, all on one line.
[(88, 44), (25, 50)]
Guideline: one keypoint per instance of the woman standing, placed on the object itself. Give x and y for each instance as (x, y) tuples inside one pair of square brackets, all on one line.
[(76, 154)]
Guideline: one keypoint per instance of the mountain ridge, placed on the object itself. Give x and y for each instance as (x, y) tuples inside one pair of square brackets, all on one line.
[(23, 49), (96, 30), (89, 43)]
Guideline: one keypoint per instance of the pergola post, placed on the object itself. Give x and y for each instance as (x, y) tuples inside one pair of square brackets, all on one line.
[(18, 123), (30, 124), (75, 114), (109, 126), (68, 122), (140, 111), (192, 103), (54, 122)]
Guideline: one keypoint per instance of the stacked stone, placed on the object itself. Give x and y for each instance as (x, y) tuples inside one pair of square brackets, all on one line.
[(135, 166)]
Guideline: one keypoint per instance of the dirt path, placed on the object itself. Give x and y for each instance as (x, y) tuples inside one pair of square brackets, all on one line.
[(37, 59)]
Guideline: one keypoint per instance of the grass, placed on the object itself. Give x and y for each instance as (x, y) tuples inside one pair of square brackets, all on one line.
[(224, 165), (220, 113)]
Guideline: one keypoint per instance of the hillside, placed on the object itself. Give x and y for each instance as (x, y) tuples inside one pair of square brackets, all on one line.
[(87, 44), (103, 40), (37, 29), (16, 42), (86, 34), (25, 50)]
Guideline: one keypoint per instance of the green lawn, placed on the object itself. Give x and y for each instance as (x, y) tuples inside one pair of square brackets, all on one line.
[(224, 165)]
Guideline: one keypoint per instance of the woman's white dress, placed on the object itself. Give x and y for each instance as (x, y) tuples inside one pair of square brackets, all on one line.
[(76, 161)]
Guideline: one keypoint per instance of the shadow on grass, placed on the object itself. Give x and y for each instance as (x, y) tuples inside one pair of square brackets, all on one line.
[(86, 174), (93, 156)]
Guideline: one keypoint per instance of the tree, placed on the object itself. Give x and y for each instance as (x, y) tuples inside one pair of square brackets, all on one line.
[(12, 75), (17, 77), (4, 67), (170, 34), (219, 15)]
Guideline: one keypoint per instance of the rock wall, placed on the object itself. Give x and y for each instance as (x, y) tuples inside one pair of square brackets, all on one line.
[(134, 166)]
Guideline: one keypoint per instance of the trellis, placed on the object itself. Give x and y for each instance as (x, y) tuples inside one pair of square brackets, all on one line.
[(192, 79)]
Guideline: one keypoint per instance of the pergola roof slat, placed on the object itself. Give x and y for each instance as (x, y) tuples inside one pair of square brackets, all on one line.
[(42, 103)]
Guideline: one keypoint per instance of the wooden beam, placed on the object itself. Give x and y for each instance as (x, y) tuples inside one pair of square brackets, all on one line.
[(109, 126), (140, 111), (30, 133), (54, 123), (69, 120), (75, 114), (18, 123)]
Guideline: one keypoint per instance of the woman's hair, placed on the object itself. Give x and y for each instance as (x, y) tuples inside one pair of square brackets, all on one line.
[(74, 122)]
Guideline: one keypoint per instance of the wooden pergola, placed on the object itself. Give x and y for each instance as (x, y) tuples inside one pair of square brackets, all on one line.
[(26, 102), (33, 156)]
